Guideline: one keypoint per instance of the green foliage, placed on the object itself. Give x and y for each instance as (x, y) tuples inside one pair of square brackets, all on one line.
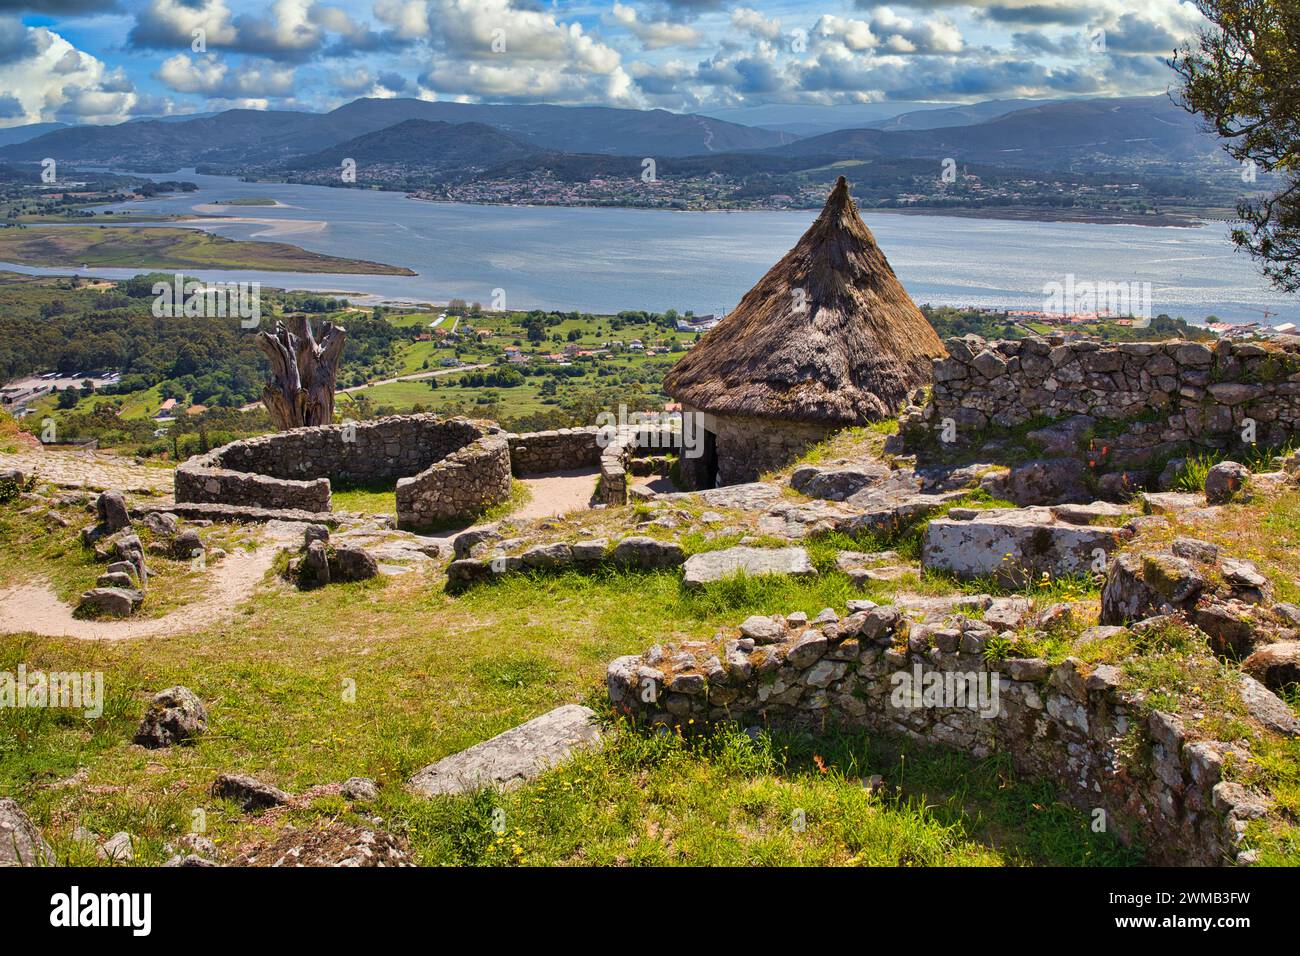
[(1240, 77)]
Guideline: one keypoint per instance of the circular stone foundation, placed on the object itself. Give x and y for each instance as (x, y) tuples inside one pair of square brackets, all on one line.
[(447, 469)]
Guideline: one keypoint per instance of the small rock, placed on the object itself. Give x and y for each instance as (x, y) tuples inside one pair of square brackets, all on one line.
[(187, 546), (175, 715), (21, 843), (315, 532), (161, 524), (1224, 481), (249, 792), (763, 630), (116, 848), (112, 510), (360, 789)]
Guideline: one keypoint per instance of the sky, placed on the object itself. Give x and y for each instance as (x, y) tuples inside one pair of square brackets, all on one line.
[(108, 61)]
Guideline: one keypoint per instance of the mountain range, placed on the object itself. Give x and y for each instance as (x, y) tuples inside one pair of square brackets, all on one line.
[(453, 140)]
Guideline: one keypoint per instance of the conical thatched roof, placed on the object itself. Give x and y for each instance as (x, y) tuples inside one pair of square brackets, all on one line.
[(851, 355)]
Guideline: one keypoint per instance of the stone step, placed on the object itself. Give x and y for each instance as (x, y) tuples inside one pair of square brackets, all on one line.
[(702, 569), (514, 757)]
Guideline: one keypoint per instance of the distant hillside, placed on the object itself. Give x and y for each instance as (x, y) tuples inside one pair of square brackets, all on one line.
[(964, 115), (254, 137), (1072, 134), (578, 129), (420, 145), (230, 136), (21, 134)]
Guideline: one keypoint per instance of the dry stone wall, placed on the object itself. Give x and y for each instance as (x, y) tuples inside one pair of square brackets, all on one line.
[(1151, 401), (536, 452), (874, 669), (443, 466)]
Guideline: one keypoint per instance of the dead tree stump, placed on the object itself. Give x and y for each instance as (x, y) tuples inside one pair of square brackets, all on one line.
[(303, 372)]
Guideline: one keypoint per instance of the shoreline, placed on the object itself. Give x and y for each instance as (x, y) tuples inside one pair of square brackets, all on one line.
[(1001, 213)]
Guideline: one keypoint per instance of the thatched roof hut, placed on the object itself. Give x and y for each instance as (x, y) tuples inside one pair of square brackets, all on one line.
[(829, 335), (828, 338)]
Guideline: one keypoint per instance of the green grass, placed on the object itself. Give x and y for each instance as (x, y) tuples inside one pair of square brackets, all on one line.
[(1191, 477), (378, 498)]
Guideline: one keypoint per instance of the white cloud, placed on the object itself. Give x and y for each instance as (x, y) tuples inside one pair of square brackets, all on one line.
[(653, 34), (755, 24), (409, 18), (47, 78), (210, 75), (171, 23)]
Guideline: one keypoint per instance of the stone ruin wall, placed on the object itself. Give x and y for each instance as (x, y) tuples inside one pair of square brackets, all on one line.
[(1066, 723), (442, 465), (534, 453), (446, 468), (1172, 398)]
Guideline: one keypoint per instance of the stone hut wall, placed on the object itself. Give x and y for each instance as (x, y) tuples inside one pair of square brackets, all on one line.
[(1066, 723), (748, 447), (1154, 401), (295, 469)]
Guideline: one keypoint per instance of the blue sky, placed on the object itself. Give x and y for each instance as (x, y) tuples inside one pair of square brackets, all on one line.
[(105, 61)]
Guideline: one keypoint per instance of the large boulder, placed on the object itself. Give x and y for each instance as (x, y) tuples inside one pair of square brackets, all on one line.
[(1139, 586), (1224, 481), (710, 566), (109, 602), (1014, 545), (837, 484), (161, 524), (175, 715), (1066, 437), (21, 843), (639, 551), (513, 757), (335, 844), (1267, 708), (1047, 481), (1276, 666), (352, 564)]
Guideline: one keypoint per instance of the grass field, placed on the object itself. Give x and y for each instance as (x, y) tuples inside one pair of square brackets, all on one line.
[(166, 248), (435, 673)]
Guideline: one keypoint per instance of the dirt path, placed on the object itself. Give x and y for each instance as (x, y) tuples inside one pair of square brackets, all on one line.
[(558, 492), (35, 608), (95, 471)]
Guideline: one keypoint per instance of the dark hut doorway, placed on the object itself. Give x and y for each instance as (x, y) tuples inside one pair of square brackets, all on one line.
[(710, 463)]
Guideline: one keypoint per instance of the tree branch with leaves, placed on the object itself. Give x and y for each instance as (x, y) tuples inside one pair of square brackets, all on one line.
[(1242, 74)]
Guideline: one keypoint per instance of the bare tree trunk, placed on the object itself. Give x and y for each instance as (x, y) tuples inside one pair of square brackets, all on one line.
[(303, 372)]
